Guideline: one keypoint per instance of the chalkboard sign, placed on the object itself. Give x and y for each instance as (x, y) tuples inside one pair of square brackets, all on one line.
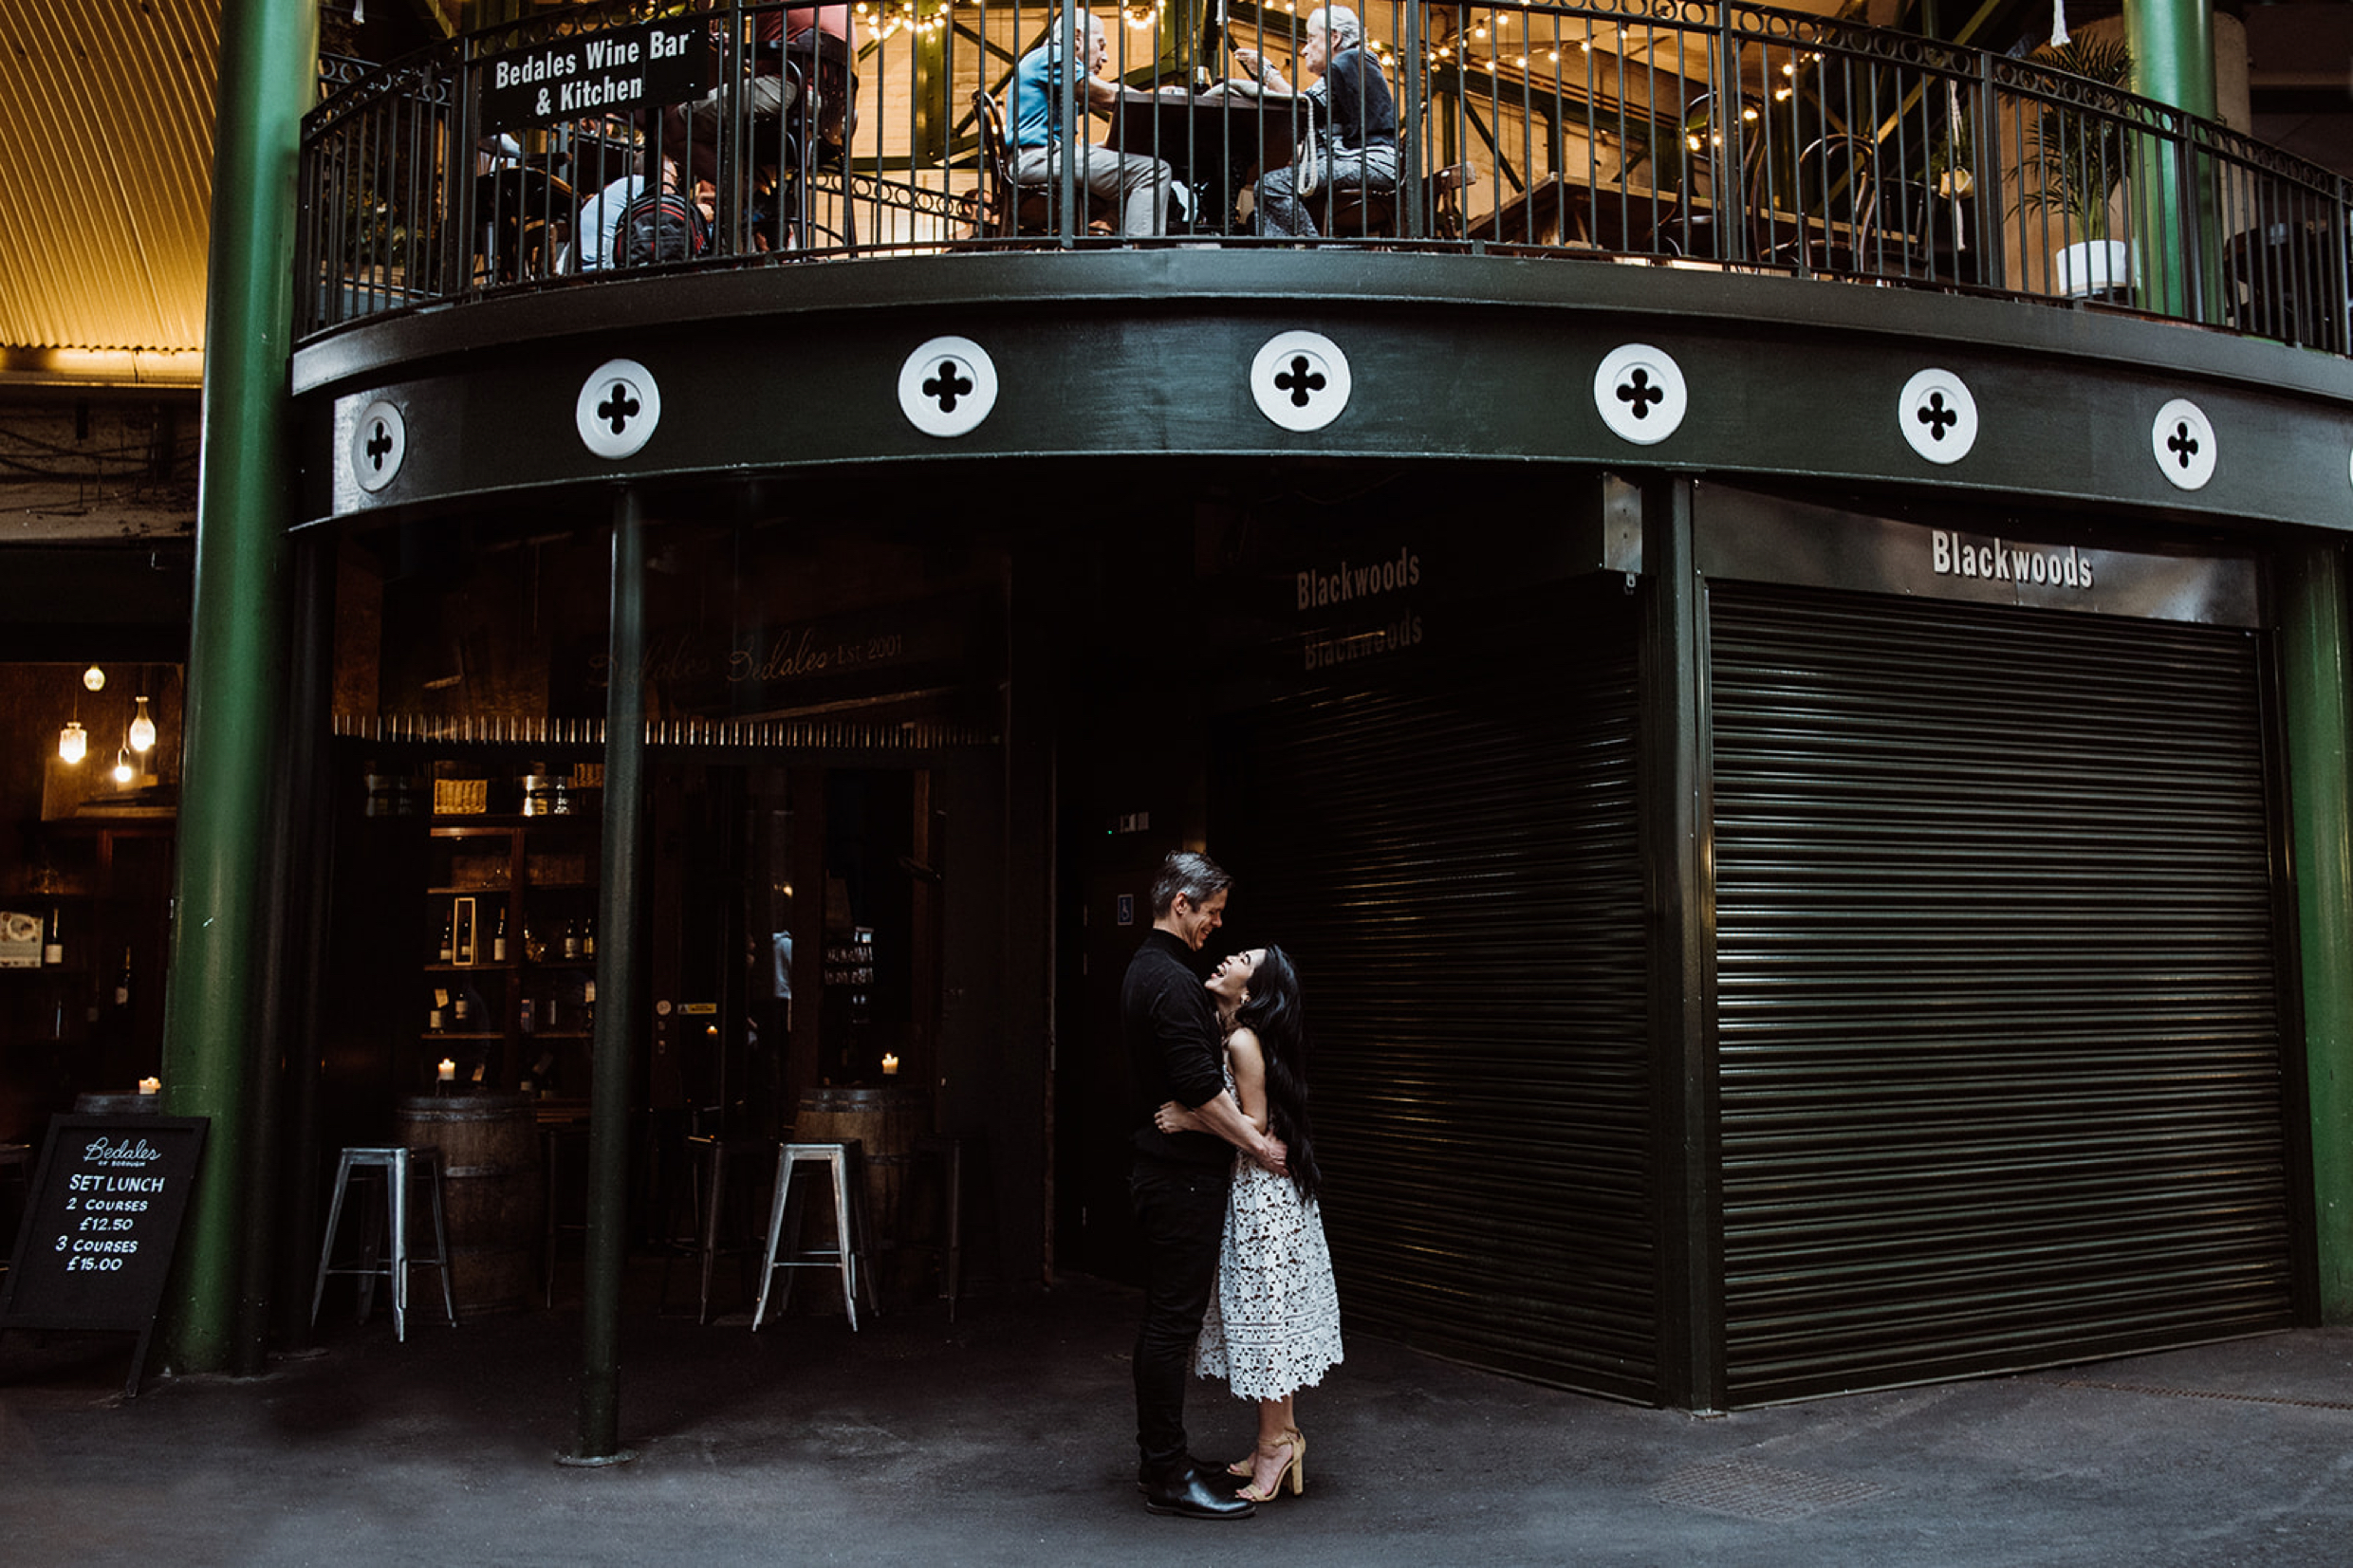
[(103, 1220)]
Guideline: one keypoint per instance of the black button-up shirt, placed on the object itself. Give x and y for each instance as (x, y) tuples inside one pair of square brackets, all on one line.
[(1173, 1052)]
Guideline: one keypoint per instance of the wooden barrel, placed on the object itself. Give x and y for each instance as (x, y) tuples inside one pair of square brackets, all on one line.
[(887, 1123), (492, 1195)]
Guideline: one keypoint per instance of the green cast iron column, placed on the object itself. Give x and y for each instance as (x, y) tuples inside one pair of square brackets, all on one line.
[(1679, 893), (617, 999), (236, 652), (2314, 630), (2173, 50)]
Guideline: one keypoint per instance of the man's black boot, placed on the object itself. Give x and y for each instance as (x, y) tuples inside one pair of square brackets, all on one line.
[(1213, 1475), (1182, 1491)]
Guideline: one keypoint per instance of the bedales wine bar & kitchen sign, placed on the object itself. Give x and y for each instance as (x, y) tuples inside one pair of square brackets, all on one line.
[(597, 73)]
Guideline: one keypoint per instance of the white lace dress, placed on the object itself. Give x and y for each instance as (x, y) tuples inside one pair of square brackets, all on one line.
[(1273, 1323)]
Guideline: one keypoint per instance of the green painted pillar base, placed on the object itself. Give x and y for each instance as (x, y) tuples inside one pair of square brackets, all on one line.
[(2314, 629), (237, 654)]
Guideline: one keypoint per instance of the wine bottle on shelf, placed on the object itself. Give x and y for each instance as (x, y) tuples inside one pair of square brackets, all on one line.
[(571, 939), (123, 982), (459, 1011), (449, 938), (589, 937), (435, 1019), (53, 944), (498, 937)]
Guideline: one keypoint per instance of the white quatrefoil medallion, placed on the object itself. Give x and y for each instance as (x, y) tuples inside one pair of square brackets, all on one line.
[(379, 439), (1300, 380), (618, 408), (1640, 393), (948, 386), (2183, 442), (1938, 416)]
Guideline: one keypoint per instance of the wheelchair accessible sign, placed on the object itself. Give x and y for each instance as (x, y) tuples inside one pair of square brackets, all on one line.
[(595, 74)]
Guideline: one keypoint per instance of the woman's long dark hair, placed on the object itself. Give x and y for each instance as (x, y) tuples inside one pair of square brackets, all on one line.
[(1276, 1014)]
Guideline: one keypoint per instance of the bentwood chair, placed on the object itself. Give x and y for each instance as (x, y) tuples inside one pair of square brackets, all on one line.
[(1352, 213), (1008, 210)]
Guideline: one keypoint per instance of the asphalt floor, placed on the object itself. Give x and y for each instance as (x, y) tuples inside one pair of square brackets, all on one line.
[(1006, 1437)]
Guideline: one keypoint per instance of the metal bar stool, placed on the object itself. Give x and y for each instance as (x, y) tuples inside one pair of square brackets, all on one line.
[(398, 1167), (946, 1152), (849, 1257), (713, 1162)]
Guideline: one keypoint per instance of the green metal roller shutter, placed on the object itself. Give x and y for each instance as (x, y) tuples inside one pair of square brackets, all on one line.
[(1455, 866), (2000, 1052)]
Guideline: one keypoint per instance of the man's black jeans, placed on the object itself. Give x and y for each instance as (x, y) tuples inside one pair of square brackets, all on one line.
[(1180, 1213)]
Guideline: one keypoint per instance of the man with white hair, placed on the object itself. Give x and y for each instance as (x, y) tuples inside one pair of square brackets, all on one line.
[(1045, 95), (1356, 116)]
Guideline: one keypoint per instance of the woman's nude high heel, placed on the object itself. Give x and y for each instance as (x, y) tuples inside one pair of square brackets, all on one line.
[(1295, 1472)]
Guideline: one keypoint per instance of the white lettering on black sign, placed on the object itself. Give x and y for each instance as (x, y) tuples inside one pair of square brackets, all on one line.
[(648, 66), (100, 1229), (1957, 555)]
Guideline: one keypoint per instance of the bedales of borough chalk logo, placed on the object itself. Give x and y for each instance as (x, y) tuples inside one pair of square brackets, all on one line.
[(120, 1151), (1957, 555)]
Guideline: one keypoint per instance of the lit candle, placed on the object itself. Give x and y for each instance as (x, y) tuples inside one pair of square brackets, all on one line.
[(449, 1071), (890, 1067), (151, 1086)]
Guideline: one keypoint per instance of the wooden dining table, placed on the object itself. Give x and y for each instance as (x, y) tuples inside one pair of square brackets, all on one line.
[(1218, 142)]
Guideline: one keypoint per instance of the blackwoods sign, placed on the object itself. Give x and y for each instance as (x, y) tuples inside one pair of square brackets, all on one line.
[(1755, 538), (595, 74)]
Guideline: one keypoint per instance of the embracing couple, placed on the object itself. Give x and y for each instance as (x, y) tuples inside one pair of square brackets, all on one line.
[(1240, 1282)]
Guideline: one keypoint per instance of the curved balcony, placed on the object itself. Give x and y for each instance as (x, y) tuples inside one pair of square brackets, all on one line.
[(1687, 133)]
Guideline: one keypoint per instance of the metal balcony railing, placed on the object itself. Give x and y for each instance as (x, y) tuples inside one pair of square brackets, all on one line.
[(1680, 131)]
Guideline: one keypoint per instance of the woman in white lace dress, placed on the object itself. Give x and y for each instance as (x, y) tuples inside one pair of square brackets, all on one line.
[(1273, 1323)]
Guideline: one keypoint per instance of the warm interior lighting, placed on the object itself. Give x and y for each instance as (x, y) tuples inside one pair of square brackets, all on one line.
[(122, 767), (142, 729), (73, 742)]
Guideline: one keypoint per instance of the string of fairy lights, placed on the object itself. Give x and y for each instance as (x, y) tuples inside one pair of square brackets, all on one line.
[(1499, 31)]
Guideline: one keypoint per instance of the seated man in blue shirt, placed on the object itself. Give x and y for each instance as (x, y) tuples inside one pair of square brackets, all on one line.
[(1140, 182)]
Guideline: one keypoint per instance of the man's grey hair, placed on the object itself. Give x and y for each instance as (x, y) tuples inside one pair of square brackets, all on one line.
[(1194, 877), (1347, 29), (1089, 29)]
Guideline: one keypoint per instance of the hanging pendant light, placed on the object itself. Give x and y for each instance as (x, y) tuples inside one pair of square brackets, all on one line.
[(123, 767), (73, 742), (94, 678), (142, 729)]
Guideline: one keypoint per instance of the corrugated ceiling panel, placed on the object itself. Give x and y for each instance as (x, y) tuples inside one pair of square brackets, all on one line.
[(105, 171)]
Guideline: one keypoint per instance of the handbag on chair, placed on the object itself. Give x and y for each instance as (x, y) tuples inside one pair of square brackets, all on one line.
[(1308, 169)]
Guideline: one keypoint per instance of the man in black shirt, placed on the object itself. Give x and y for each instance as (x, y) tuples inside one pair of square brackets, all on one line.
[(1180, 1181)]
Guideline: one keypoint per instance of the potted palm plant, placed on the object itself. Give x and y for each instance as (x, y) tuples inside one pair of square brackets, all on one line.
[(2079, 153)]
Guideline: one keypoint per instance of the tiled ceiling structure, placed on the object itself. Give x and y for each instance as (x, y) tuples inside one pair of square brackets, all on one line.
[(105, 172)]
